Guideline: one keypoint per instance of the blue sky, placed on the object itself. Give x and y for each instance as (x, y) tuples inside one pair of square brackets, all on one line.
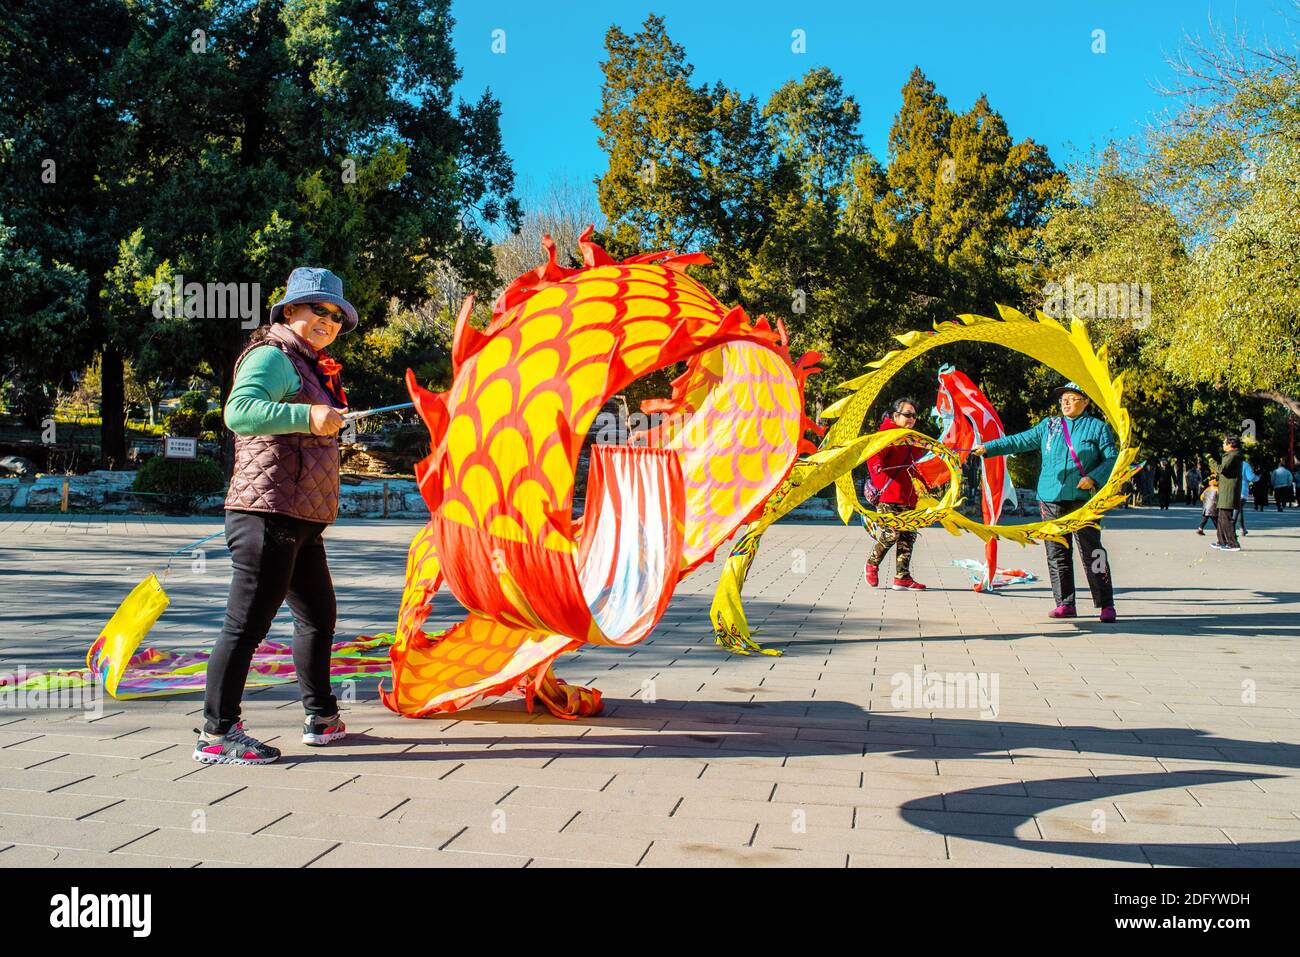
[(1033, 59)]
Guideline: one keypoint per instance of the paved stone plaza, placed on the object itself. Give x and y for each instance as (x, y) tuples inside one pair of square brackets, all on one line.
[(1171, 738)]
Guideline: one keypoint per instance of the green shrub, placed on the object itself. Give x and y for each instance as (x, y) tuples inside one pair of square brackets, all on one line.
[(184, 423), (213, 421), (160, 476), (194, 401)]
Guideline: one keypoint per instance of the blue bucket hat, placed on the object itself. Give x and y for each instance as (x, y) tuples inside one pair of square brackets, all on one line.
[(314, 284)]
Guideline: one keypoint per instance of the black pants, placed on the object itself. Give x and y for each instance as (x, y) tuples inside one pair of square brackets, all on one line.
[(274, 557), (1227, 528), (1060, 559), (1206, 518)]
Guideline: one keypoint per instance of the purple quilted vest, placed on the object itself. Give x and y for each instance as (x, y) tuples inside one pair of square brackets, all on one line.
[(295, 474)]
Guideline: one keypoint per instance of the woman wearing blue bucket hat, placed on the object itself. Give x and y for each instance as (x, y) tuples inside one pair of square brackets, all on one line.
[(286, 409)]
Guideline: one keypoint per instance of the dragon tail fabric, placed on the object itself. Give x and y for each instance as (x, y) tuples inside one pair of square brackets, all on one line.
[(506, 439)]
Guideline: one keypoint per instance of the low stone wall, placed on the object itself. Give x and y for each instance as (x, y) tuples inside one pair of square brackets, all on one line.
[(110, 492), (366, 499), (92, 491)]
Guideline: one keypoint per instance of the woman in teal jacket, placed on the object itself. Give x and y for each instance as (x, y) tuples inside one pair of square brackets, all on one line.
[(1078, 452)]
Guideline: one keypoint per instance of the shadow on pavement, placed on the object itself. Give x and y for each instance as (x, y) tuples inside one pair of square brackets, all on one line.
[(763, 730)]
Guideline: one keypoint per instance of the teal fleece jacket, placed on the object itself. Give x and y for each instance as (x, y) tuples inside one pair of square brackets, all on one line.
[(1058, 478), (257, 406)]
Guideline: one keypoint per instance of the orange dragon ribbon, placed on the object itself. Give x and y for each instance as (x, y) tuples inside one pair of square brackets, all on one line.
[(500, 479)]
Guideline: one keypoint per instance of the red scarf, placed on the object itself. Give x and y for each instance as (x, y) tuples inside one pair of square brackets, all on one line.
[(330, 370)]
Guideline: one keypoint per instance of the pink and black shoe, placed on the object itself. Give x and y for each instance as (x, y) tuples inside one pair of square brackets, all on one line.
[(1063, 611), (236, 746), (1108, 614), (873, 574), (907, 584), (317, 731)]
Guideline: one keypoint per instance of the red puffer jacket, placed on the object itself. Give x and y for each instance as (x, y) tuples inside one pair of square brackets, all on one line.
[(892, 470)]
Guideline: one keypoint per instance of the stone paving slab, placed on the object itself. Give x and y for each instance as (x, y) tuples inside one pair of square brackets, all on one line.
[(33, 855), (1169, 739)]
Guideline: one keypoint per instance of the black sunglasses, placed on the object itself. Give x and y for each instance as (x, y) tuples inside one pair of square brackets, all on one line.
[(325, 312), (906, 415)]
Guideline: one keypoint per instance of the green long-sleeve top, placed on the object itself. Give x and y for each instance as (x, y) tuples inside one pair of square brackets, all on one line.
[(257, 406)]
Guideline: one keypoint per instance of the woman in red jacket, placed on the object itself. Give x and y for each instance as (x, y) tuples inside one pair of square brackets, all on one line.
[(892, 472)]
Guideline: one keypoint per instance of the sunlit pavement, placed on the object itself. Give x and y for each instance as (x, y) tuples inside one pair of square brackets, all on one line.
[(941, 728)]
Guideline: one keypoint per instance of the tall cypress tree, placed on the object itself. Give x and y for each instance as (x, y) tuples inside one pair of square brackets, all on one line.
[(688, 164), (59, 194)]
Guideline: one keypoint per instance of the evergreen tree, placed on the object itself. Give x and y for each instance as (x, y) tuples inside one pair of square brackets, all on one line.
[(240, 139), (688, 164), (61, 198)]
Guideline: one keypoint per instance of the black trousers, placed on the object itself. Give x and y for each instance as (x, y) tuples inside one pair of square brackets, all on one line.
[(1060, 559), (274, 557), (1227, 528)]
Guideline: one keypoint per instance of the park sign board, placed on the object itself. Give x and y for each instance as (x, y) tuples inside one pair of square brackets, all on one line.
[(176, 447)]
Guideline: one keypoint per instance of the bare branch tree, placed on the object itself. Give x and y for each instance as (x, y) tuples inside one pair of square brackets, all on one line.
[(563, 210)]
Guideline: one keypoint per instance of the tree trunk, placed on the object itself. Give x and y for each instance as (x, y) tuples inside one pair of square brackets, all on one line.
[(112, 409), (1287, 402)]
